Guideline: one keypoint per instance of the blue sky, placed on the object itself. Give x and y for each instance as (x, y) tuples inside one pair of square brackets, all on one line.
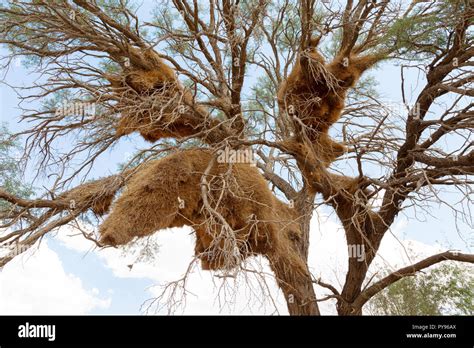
[(103, 280)]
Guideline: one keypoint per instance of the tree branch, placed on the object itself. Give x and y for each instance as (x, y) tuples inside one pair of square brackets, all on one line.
[(408, 271)]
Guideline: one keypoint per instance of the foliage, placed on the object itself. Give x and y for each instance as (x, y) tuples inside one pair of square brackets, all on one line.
[(10, 169), (445, 290)]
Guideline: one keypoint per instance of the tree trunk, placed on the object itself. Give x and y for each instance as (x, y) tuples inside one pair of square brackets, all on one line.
[(297, 288), (347, 309), (297, 285), (369, 235)]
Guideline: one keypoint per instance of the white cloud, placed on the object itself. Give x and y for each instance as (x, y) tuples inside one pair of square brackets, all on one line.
[(328, 254), (207, 294), (36, 283)]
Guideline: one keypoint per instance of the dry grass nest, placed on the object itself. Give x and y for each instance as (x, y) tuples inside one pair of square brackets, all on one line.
[(169, 193)]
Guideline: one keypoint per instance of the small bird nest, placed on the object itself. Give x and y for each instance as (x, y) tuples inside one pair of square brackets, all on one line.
[(152, 101), (95, 195)]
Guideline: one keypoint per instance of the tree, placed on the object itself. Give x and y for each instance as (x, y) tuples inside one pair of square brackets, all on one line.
[(182, 80), (446, 289)]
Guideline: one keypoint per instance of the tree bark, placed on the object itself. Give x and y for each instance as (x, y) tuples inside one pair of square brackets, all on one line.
[(366, 230), (297, 288), (297, 284)]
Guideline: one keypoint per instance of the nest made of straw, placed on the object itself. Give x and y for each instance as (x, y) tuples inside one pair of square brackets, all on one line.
[(96, 195), (169, 193), (311, 92), (313, 95), (153, 102)]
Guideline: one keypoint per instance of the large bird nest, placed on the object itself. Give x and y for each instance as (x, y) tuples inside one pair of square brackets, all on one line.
[(230, 207)]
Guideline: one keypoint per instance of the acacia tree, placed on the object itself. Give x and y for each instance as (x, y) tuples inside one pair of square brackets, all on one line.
[(207, 75)]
